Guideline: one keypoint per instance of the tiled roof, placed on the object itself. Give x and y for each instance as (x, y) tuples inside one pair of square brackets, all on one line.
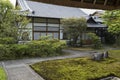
[(48, 10), (90, 25)]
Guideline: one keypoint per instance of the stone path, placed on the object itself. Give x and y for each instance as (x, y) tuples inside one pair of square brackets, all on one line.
[(20, 70)]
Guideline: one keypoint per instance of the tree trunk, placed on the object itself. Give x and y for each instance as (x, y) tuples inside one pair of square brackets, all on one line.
[(81, 43)]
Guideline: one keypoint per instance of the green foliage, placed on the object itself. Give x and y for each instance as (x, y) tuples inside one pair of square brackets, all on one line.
[(42, 48), (19, 50), (45, 38), (2, 74), (46, 47), (95, 40), (109, 38), (78, 68), (5, 52), (11, 21), (6, 19), (112, 19), (74, 27), (7, 40)]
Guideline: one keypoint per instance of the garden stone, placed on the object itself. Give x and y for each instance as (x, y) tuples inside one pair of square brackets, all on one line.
[(106, 55), (98, 56), (111, 78), (116, 78)]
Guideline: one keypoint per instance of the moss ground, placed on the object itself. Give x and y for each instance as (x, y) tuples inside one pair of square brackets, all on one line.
[(79, 68), (2, 74)]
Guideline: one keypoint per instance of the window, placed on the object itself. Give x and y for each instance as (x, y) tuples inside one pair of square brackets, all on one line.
[(36, 35), (53, 28), (39, 28), (56, 35), (55, 21), (39, 20)]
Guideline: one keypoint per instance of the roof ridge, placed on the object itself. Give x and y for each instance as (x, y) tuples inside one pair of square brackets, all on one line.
[(25, 6), (52, 4)]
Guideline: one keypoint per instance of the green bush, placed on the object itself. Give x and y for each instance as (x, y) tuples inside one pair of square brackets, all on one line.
[(95, 40), (58, 46), (41, 48), (109, 38), (7, 40), (19, 50), (45, 47), (5, 52)]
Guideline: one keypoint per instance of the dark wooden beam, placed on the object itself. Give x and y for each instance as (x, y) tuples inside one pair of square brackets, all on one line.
[(82, 1), (105, 2), (82, 4), (94, 2), (117, 2)]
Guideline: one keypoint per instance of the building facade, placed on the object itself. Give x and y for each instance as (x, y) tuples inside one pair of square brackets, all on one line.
[(46, 19)]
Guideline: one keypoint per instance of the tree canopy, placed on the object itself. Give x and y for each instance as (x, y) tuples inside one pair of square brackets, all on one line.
[(74, 27), (112, 19), (10, 21)]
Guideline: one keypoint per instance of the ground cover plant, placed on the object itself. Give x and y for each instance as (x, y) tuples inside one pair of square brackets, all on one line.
[(79, 68), (2, 74)]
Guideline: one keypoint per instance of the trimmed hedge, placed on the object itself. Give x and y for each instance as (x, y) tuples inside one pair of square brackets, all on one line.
[(7, 40), (42, 48)]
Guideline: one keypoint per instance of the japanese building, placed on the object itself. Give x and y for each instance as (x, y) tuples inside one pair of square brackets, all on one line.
[(45, 19)]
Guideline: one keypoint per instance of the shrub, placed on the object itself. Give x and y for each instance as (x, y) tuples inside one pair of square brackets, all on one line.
[(109, 38), (45, 37), (95, 40), (19, 50), (7, 40), (5, 52), (41, 48), (45, 47), (58, 46)]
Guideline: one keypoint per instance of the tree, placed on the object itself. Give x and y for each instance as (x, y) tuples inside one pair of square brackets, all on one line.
[(11, 21), (95, 41), (75, 27), (112, 19)]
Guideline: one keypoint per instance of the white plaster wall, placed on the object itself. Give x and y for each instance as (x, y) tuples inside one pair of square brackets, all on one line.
[(39, 24), (53, 25)]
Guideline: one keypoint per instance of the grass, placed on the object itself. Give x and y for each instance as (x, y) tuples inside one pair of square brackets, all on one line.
[(79, 68), (2, 74), (115, 54)]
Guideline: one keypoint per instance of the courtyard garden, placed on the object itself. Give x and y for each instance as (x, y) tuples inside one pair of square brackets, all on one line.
[(16, 43), (79, 68)]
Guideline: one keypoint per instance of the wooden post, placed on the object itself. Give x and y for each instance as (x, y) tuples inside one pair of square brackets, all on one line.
[(32, 28), (94, 2), (59, 30), (46, 26), (105, 2), (82, 1)]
